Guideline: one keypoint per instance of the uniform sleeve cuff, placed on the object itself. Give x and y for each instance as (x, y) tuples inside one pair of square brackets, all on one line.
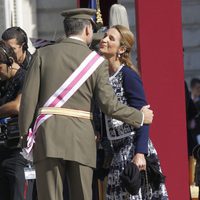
[(142, 119)]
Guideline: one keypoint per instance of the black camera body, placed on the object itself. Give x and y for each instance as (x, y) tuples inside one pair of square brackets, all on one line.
[(9, 132)]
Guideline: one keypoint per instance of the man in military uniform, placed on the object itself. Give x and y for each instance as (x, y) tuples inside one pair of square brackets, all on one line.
[(65, 147)]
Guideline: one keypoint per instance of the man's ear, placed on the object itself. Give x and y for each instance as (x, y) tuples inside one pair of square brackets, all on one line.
[(87, 30)]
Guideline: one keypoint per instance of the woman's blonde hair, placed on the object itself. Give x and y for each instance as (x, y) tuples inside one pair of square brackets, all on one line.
[(127, 41)]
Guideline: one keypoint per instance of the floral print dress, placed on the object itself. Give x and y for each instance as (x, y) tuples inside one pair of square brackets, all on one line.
[(123, 139)]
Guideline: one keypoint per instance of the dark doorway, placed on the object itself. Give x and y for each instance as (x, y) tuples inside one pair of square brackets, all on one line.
[(104, 6)]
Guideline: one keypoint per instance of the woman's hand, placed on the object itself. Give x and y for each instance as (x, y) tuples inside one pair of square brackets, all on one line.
[(140, 161)]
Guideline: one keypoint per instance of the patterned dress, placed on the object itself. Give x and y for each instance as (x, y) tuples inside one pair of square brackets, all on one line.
[(126, 141)]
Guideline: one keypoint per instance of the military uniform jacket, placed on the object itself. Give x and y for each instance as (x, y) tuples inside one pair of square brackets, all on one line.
[(65, 137)]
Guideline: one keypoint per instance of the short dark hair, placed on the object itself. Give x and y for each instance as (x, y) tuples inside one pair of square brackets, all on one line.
[(74, 26), (17, 33), (194, 81), (7, 54)]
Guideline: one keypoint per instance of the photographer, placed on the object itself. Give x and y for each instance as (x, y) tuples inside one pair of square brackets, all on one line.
[(13, 185), (17, 38)]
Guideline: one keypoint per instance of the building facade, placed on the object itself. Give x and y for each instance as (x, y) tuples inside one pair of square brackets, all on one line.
[(41, 19)]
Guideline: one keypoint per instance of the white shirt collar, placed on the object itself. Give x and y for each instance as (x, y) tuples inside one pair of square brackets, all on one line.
[(76, 38)]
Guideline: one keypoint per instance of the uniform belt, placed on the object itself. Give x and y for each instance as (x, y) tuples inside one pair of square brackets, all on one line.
[(66, 112)]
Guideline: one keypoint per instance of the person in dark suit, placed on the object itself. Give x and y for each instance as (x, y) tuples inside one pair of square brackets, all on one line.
[(17, 38), (128, 143), (65, 147), (13, 185)]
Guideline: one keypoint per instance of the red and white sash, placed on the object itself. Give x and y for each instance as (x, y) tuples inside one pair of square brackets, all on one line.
[(60, 97)]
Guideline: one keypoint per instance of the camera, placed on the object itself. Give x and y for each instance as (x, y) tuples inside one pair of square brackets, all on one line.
[(9, 132)]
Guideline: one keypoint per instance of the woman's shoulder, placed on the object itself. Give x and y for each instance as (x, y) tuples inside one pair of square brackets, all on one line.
[(129, 72)]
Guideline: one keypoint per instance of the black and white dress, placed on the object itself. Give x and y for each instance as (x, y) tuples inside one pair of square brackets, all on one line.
[(126, 141)]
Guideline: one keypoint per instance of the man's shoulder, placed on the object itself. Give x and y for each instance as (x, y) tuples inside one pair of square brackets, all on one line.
[(21, 71), (130, 73), (66, 44), (19, 76)]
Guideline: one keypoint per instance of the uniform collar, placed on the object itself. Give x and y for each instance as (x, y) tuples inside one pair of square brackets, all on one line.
[(72, 40)]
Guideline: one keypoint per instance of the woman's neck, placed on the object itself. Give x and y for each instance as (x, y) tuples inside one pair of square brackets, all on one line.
[(114, 65)]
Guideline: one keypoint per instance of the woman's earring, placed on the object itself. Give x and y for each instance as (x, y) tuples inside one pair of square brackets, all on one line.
[(118, 55)]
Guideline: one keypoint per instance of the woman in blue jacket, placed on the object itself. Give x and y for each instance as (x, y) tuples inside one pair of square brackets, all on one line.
[(128, 144)]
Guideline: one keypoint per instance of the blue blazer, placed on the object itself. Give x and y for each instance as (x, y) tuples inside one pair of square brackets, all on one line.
[(135, 95)]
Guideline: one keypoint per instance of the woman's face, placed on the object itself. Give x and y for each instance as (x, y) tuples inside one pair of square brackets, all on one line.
[(110, 44)]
